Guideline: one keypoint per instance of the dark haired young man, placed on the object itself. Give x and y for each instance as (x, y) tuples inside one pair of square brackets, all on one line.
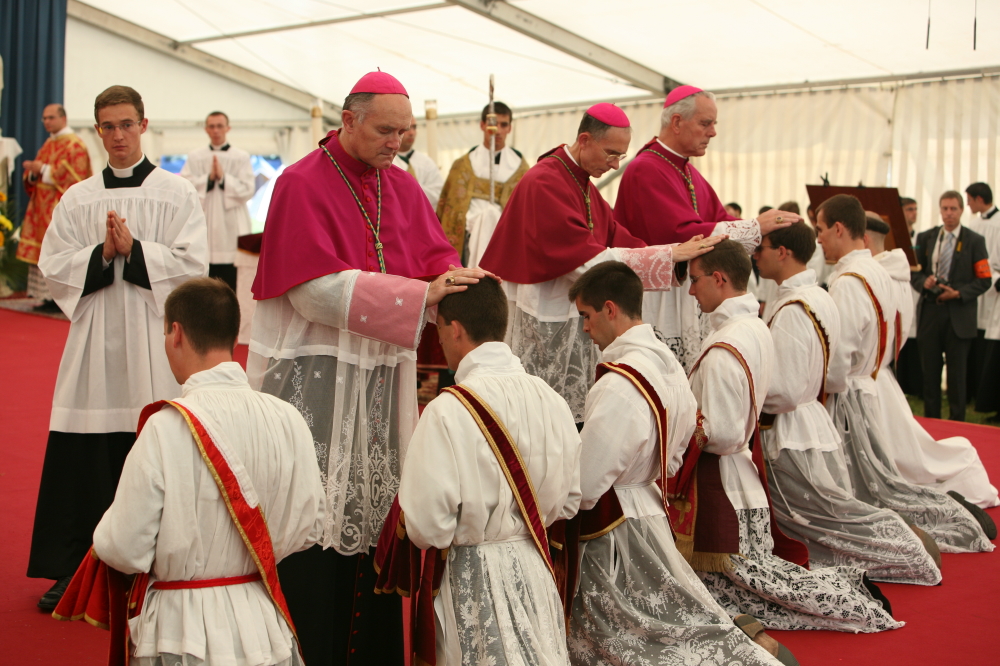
[(639, 417), (748, 564), (213, 598), (223, 176), (464, 208), (805, 465), (119, 242), (864, 294), (950, 465), (460, 491)]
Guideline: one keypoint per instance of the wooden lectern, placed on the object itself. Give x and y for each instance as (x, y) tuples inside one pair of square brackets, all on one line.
[(881, 200)]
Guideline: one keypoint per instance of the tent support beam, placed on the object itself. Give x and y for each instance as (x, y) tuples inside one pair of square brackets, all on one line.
[(313, 24), (200, 59), (548, 33)]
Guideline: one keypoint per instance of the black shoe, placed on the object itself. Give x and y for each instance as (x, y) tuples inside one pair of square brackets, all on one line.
[(47, 307), (874, 590), (51, 598), (981, 516)]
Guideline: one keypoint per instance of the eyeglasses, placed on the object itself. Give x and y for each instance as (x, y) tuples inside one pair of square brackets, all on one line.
[(611, 157), (695, 278), (762, 247), (127, 127)]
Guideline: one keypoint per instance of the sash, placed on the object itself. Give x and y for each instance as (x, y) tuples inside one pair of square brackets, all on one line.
[(898, 342), (396, 557), (694, 488), (883, 325), (87, 589), (607, 514), (824, 341)]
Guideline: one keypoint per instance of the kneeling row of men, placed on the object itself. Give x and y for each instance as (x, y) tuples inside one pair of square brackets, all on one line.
[(498, 458)]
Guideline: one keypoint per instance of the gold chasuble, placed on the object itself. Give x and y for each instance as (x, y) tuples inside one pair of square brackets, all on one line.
[(68, 162), (461, 187)]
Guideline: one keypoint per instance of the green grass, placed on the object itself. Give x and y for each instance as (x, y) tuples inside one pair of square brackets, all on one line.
[(971, 416)]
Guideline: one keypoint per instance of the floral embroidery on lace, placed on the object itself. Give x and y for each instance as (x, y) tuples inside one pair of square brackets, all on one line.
[(745, 232), (654, 265), (782, 595)]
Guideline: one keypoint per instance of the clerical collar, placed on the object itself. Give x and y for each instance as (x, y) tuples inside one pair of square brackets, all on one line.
[(990, 213), (224, 147), (805, 278), (69, 130), (133, 176), (742, 306), (670, 149), (570, 155)]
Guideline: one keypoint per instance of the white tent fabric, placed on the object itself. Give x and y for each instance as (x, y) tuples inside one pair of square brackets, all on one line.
[(776, 133)]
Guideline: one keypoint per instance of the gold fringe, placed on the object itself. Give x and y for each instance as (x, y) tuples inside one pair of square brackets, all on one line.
[(712, 562), (685, 546)]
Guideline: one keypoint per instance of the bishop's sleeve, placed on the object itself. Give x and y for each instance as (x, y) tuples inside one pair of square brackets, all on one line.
[(125, 539), (179, 254), (430, 487), (65, 260), (617, 422), (724, 402), (387, 308)]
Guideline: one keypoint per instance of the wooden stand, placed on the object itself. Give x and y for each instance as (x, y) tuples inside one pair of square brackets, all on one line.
[(881, 200)]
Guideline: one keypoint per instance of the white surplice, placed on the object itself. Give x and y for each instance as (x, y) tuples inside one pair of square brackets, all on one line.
[(949, 464), (856, 410), (113, 364), (169, 519), (987, 315), (810, 484), (781, 595), (425, 170), (341, 349), (225, 204), (482, 216), (545, 329), (498, 601), (675, 314), (633, 581)]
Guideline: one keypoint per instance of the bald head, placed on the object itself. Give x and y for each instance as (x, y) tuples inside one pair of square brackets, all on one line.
[(54, 118)]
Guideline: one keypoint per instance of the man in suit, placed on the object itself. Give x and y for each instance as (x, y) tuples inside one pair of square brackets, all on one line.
[(954, 271)]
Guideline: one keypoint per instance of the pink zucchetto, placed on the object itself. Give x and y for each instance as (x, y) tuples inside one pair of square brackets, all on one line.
[(609, 114), (679, 93), (379, 83)]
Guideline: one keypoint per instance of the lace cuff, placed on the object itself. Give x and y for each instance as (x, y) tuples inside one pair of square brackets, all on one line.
[(388, 308), (654, 265), (744, 232)]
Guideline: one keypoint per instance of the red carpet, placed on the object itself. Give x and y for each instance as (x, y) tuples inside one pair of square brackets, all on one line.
[(948, 624)]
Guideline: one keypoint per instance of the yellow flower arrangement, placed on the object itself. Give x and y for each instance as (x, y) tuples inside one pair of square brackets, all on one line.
[(4, 224)]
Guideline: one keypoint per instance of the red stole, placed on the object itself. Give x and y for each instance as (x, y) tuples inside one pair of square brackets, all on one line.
[(697, 491), (883, 325), (397, 559), (543, 232), (607, 514), (97, 592)]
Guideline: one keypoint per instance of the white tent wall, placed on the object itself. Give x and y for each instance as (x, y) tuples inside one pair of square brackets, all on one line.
[(924, 138), (177, 97)]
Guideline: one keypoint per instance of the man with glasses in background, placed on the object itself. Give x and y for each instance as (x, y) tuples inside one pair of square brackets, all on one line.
[(118, 244)]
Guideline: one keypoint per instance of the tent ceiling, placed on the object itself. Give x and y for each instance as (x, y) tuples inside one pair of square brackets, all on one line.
[(443, 51)]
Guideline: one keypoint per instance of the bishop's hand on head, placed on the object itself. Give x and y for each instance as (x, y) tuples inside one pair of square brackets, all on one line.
[(696, 247), (454, 281), (774, 219)]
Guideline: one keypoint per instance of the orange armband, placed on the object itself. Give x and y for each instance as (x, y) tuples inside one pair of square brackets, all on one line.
[(982, 268)]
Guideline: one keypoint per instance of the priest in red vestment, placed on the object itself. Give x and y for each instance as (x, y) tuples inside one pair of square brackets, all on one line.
[(555, 227), (663, 198), (353, 263)]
